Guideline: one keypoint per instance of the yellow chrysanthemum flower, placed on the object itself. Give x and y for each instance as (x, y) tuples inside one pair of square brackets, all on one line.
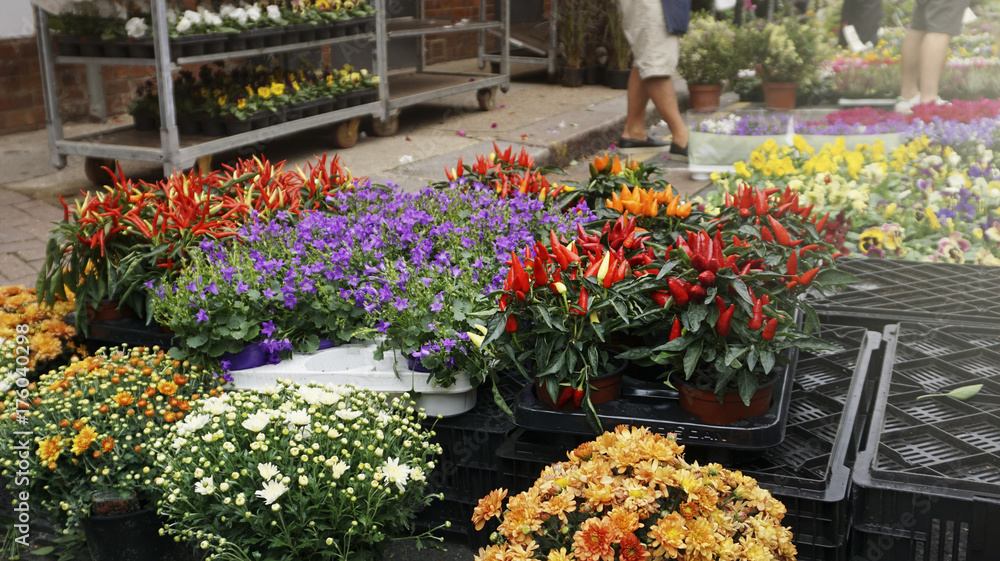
[(84, 439)]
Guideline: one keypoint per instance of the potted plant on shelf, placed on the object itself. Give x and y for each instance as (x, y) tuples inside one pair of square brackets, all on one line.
[(619, 51), (706, 61), (573, 21), (292, 471), (730, 294), (781, 67), (651, 504), (92, 425), (145, 107), (593, 70)]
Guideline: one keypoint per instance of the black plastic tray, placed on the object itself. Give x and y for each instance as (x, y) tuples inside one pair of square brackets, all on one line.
[(809, 472), (891, 291), (927, 482), (655, 405), (130, 331)]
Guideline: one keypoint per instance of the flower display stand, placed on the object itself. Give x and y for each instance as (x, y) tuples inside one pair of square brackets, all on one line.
[(355, 364)]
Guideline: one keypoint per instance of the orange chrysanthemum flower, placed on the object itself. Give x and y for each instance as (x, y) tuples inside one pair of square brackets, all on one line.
[(84, 439), (489, 507), (491, 553), (124, 398), (167, 388), (108, 444), (668, 535), (50, 449), (700, 540), (558, 505), (560, 555), (592, 542), (624, 521), (632, 549)]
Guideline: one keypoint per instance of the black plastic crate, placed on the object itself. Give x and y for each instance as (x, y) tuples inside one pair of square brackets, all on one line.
[(927, 480), (891, 290), (459, 514), (809, 471)]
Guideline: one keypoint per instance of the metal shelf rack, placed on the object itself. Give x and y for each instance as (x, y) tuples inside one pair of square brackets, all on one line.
[(174, 151)]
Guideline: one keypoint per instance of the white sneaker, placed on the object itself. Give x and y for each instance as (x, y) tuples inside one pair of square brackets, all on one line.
[(905, 106)]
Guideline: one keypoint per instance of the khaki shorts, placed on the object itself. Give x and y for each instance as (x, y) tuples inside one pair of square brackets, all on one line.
[(939, 16), (655, 50)]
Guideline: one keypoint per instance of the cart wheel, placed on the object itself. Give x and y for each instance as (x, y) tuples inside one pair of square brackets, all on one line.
[(345, 134), (93, 169), (386, 127), (486, 98)]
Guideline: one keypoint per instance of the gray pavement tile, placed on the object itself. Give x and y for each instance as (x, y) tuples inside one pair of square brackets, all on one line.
[(8, 197), (13, 234), (41, 210), (35, 252), (22, 245), (12, 269)]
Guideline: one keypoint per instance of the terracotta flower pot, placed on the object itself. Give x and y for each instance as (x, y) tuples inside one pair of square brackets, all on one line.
[(603, 389), (705, 98), (705, 404), (780, 95), (107, 310)]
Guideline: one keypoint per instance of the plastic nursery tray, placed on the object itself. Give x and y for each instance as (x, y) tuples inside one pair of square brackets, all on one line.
[(927, 482), (891, 290), (128, 331), (355, 364), (809, 471), (655, 405)]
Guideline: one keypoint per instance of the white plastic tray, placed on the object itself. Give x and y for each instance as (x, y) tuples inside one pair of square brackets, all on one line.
[(354, 364)]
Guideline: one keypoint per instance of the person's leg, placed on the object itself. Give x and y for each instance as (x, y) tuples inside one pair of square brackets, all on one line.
[(910, 64), (635, 116), (661, 90), (933, 51)]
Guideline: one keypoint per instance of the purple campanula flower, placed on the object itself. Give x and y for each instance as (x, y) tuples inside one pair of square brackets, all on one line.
[(201, 316)]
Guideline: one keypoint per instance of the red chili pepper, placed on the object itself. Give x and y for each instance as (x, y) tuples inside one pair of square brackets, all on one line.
[(538, 270), (792, 268), (675, 331), (661, 298), (822, 222), (783, 209), (757, 319), (511, 325), (765, 235), (780, 234), (805, 248), (519, 295), (583, 299), (722, 326), (540, 251), (520, 277), (770, 329), (765, 299), (677, 291), (697, 293), (578, 396), (565, 394), (706, 278), (804, 212), (792, 284), (746, 268), (808, 276), (503, 302), (744, 213), (760, 204), (771, 191), (621, 271)]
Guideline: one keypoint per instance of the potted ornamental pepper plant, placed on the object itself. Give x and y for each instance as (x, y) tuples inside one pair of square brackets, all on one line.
[(560, 308), (731, 299)]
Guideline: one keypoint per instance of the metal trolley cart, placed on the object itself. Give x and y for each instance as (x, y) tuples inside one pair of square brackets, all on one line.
[(175, 152)]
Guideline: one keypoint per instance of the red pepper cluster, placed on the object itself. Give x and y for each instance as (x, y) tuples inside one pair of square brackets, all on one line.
[(506, 173)]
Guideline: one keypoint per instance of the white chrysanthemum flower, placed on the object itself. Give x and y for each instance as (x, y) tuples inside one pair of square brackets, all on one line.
[(417, 474), (311, 395), (226, 9), (348, 415), (298, 417), (303, 480), (274, 12), (193, 423), (136, 27), (192, 16), (268, 470), (257, 421), (338, 469), (393, 472), (271, 491), (213, 19), (183, 25), (206, 486), (253, 13), (270, 389)]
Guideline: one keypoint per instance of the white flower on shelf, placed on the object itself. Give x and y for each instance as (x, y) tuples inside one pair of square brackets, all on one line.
[(338, 469), (257, 421), (253, 13), (192, 16), (271, 491), (183, 25), (206, 486), (274, 12), (136, 27)]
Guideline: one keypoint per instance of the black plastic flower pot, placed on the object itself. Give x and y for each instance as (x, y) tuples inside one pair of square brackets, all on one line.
[(326, 105), (238, 42), (188, 124), (593, 74), (616, 79), (237, 126), (115, 48), (124, 537), (323, 31), (307, 32), (91, 46), (275, 38), (213, 126), (187, 45), (146, 121), (141, 48), (66, 45), (217, 44)]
